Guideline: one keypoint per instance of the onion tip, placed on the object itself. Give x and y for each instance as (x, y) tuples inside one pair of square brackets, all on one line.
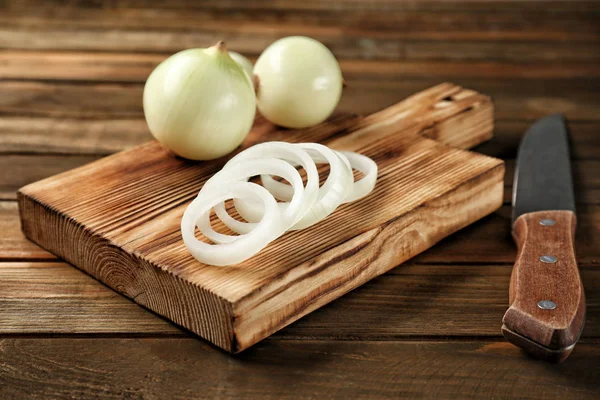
[(220, 46)]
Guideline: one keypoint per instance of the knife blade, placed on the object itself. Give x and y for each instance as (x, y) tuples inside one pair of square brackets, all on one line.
[(546, 298)]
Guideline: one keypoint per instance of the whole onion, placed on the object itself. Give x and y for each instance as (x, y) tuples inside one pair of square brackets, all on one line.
[(299, 82), (243, 61), (200, 103)]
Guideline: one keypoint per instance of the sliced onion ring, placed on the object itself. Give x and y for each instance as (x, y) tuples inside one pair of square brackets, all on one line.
[(331, 194), (280, 150), (366, 184), (302, 206), (240, 172), (245, 246), (360, 188)]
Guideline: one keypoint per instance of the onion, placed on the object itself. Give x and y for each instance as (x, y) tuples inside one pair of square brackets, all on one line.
[(243, 62), (352, 160), (331, 195), (200, 103), (243, 247), (299, 82), (280, 150), (241, 172), (303, 205), (368, 167)]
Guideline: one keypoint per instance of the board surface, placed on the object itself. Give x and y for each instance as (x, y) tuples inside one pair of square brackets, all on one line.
[(118, 218)]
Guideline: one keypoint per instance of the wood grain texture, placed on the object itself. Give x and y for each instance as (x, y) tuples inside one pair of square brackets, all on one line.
[(65, 117), (17, 170), (533, 57), (13, 244), (186, 368), (487, 241), (556, 331), (107, 136), (388, 31), (410, 301), (234, 307), (333, 5), (109, 67), (515, 99), (52, 298), (70, 135)]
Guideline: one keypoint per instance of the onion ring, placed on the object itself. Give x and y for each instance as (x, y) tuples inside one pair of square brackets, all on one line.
[(366, 184), (279, 150), (244, 247), (331, 194), (240, 172), (302, 205)]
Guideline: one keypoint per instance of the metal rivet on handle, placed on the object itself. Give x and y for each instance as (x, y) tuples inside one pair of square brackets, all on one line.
[(547, 222), (548, 259), (546, 304)]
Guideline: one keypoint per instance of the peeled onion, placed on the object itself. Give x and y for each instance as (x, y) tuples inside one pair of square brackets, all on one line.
[(200, 103), (299, 82)]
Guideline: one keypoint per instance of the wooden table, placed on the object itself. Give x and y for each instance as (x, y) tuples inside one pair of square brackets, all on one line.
[(71, 80)]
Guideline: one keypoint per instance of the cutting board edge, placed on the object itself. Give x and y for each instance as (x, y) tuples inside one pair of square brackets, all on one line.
[(176, 292)]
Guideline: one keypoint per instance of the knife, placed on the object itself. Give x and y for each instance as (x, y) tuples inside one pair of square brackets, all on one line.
[(546, 299)]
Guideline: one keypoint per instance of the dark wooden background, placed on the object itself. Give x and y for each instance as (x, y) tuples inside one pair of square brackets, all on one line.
[(71, 79)]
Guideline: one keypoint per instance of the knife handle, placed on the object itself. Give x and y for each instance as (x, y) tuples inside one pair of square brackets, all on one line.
[(546, 299)]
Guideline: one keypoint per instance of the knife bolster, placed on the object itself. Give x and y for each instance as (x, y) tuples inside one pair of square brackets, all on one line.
[(536, 278)]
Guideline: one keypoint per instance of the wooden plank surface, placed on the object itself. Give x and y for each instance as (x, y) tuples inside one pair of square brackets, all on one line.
[(186, 368), (107, 136), (53, 297), (57, 298), (586, 178), (13, 244), (19, 169), (333, 5), (488, 241), (71, 75), (515, 100), (76, 66), (397, 33), (71, 135)]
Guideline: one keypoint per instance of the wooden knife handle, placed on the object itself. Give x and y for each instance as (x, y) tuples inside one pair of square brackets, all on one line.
[(546, 300)]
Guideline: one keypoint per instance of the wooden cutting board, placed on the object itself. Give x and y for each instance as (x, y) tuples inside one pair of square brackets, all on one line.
[(118, 218)]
